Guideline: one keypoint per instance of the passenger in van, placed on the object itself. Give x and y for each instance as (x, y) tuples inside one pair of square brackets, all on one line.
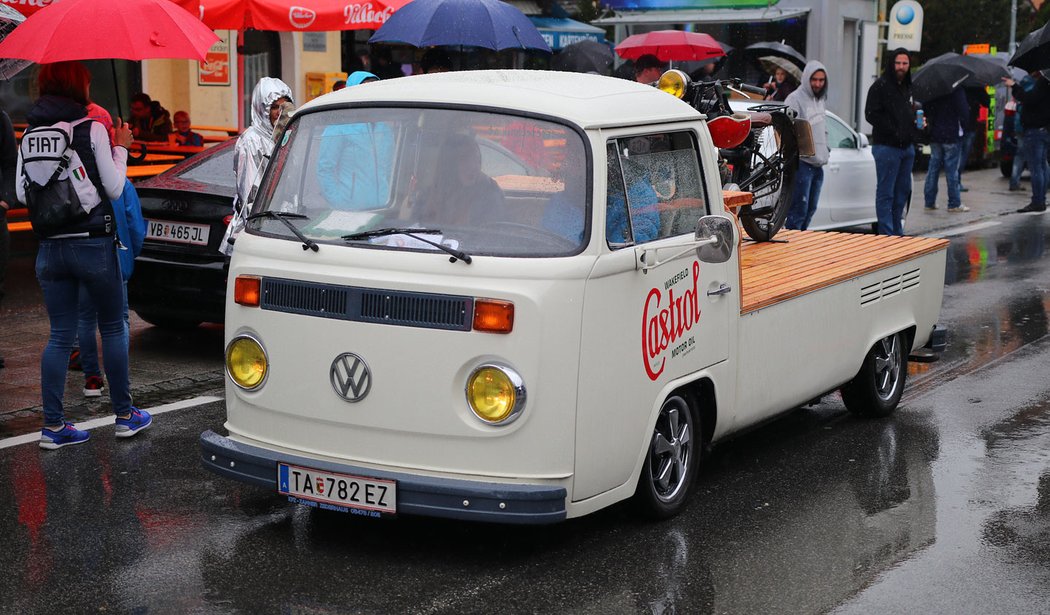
[(353, 166), (463, 195), (642, 199)]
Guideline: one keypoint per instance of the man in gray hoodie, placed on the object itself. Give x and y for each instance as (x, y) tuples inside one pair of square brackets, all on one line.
[(809, 101)]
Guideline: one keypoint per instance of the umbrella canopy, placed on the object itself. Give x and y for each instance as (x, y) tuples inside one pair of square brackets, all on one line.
[(985, 72), (770, 64), (938, 79), (670, 45), (584, 57), (292, 15), (9, 19), (780, 50), (490, 24), (1034, 51), (92, 30)]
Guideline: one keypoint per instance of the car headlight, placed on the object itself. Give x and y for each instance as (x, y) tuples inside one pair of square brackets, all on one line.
[(246, 362), (495, 393)]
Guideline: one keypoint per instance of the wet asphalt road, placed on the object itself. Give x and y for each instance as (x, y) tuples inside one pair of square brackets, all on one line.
[(942, 508)]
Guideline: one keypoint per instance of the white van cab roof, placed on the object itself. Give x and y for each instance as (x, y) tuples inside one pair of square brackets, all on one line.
[(590, 101)]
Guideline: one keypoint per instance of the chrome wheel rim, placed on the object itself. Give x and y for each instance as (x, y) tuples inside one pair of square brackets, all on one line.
[(671, 450), (887, 366)]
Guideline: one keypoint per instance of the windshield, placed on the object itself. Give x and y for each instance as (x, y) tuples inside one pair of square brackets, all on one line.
[(492, 184)]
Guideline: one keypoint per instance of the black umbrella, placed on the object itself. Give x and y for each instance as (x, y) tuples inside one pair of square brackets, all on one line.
[(985, 72), (585, 57), (1034, 51), (781, 50), (937, 79)]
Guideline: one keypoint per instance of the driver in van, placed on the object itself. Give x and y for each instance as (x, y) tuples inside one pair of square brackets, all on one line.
[(463, 194)]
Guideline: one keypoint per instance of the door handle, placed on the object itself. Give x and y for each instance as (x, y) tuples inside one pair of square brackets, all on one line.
[(722, 289)]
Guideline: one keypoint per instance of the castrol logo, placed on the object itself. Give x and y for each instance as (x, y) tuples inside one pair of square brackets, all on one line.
[(301, 17), (670, 312)]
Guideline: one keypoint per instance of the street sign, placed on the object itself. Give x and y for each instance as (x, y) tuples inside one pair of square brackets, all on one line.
[(905, 26)]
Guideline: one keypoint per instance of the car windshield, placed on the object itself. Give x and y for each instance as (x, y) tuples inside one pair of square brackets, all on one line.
[(492, 184)]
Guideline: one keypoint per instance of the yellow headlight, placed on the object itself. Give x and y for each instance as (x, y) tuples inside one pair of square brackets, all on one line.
[(673, 82), (246, 362), (495, 393)]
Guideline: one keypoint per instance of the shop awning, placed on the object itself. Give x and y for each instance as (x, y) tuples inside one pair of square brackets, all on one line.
[(561, 32), (707, 16)]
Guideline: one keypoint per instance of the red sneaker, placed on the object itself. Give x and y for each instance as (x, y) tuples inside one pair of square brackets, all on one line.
[(93, 386), (74, 360)]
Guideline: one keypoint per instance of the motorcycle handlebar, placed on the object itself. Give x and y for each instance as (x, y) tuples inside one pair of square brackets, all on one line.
[(750, 89)]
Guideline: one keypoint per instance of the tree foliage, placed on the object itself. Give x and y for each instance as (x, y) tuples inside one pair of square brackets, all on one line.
[(950, 24)]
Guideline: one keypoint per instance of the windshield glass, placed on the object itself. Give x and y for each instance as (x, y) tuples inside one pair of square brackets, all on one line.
[(493, 184)]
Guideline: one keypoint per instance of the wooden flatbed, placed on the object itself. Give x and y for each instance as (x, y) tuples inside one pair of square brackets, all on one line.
[(799, 262)]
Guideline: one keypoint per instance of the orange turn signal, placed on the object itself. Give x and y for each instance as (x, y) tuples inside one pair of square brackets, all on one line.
[(246, 290), (493, 316)]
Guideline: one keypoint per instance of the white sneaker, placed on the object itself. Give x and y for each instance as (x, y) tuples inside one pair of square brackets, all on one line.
[(958, 209)]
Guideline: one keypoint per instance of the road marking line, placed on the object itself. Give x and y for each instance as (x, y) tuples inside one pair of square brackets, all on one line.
[(109, 420), (965, 229)]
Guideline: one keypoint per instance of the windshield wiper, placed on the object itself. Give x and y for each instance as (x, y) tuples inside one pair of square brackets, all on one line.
[(414, 233), (283, 216)]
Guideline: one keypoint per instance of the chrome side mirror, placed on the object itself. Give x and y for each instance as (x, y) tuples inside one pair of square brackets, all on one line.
[(716, 238)]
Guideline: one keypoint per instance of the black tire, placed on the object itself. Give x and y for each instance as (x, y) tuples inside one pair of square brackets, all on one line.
[(168, 322), (672, 461), (1006, 167), (877, 388), (763, 218)]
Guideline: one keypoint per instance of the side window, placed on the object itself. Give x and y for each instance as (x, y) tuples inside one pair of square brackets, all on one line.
[(655, 188), (839, 135)]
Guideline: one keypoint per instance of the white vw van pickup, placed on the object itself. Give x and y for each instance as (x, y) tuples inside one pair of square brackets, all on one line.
[(522, 296)]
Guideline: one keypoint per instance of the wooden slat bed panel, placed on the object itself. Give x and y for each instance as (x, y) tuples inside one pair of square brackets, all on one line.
[(800, 262)]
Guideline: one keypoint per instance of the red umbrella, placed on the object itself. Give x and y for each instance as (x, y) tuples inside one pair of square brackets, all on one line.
[(93, 30), (668, 45), (292, 15)]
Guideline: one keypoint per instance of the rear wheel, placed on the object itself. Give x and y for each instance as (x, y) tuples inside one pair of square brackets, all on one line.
[(877, 388), (672, 460), (769, 174)]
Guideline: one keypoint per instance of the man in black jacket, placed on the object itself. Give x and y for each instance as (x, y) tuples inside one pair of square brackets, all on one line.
[(946, 115), (1034, 94), (891, 112)]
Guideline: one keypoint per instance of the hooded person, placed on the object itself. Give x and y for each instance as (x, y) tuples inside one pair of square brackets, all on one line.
[(254, 144), (809, 101), (354, 161), (890, 110)]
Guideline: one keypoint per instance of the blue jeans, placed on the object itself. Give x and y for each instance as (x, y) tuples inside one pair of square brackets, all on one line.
[(943, 156), (87, 323), (808, 181), (964, 154), (1036, 143), (61, 266), (1019, 164), (893, 175)]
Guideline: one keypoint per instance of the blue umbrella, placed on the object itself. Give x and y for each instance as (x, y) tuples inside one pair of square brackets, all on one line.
[(491, 24)]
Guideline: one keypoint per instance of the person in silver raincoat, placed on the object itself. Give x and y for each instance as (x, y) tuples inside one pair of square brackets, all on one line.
[(253, 146)]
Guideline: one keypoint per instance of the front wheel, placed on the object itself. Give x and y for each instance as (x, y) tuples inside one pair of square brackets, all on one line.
[(671, 462), (876, 390)]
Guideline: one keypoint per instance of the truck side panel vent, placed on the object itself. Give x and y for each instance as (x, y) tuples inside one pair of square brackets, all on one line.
[(873, 293), (387, 307)]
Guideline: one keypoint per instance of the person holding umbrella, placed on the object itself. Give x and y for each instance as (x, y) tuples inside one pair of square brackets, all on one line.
[(891, 112), (1034, 94), (780, 87), (648, 68), (82, 254), (946, 115)]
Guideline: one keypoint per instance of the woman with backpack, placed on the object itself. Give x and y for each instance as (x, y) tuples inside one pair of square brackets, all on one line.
[(77, 245)]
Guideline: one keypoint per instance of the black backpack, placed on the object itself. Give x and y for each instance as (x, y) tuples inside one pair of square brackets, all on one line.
[(58, 192)]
